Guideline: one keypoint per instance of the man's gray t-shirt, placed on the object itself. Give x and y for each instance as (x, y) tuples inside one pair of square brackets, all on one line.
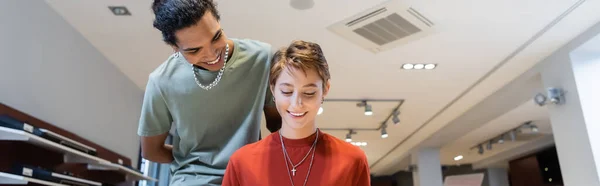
[(210, 124)]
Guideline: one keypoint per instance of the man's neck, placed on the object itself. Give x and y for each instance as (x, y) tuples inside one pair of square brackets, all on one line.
[(302, 133)]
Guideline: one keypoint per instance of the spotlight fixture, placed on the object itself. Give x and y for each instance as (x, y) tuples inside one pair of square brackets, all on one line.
[(384, 133), (513, 135), (554, 95), (418, 66), (392, 114), (349, 135), (320, 111), (501, 140), (119, 10), (529, 127), (534, 128), (395, 118), (368, 109), (457, 158)]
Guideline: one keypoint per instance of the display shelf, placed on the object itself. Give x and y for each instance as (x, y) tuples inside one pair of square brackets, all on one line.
[(11, 179), (71, 155), (131, 174)]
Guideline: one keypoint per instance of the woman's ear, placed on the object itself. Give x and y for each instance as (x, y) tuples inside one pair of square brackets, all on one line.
[(271, 87), (326, 88)]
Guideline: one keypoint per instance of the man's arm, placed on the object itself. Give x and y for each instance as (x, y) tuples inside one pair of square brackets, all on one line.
[(155, 122), (273, 118), (155, 149)]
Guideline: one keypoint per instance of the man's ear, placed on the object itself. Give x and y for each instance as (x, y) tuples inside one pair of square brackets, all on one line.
[(175, 48)]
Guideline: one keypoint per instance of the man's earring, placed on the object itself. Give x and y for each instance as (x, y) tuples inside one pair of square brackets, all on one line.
[(273, 99)]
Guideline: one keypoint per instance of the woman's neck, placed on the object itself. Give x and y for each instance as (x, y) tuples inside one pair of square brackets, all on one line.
[(302, 133)]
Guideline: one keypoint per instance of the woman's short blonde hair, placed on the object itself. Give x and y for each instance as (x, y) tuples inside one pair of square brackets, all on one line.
[(300, 55)]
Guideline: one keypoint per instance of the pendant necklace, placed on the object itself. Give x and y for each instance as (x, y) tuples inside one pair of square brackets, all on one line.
[(287, 158)]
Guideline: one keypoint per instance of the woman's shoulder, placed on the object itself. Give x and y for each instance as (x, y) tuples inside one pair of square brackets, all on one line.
[(343, 148)]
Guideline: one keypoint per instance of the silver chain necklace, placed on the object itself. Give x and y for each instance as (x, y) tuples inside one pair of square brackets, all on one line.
[(286, 157), (216, 81), (305, 156)]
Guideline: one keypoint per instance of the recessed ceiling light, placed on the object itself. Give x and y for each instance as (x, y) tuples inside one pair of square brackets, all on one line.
[(430, 66), (408, 66), (119, 10), (359, 144), (457, 158), (419, 66)]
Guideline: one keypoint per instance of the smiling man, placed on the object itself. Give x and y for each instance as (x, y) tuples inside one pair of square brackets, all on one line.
[(212, 90)]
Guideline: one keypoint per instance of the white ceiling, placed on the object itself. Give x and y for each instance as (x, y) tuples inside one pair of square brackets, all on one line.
[(472, 43)]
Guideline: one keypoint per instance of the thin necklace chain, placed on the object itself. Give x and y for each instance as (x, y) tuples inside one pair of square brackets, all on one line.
[(286, 157), (305, 156), (216, 81)]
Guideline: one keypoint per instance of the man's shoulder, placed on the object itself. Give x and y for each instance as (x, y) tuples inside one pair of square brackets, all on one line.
[(253, 47), (165, 69), (252, 150)]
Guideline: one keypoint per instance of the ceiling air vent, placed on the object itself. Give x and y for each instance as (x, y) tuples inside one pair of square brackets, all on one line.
[(384, 27)]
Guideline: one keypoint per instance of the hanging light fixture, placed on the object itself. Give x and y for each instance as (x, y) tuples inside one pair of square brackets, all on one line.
[(489, 145), (513, 135), (501, 140), (480, 149), (349, 135), (384, 133), (348, 138), (534, 128), (395, 117), (368, 109)]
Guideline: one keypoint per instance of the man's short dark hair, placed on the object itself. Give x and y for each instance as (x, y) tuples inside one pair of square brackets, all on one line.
[(174, 15)]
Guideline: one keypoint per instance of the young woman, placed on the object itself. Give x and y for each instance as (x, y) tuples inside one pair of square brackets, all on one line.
[(299, 153)]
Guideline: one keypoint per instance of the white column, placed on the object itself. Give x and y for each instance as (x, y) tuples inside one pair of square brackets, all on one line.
[(497, 177), (576, 124), (429, 169)]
